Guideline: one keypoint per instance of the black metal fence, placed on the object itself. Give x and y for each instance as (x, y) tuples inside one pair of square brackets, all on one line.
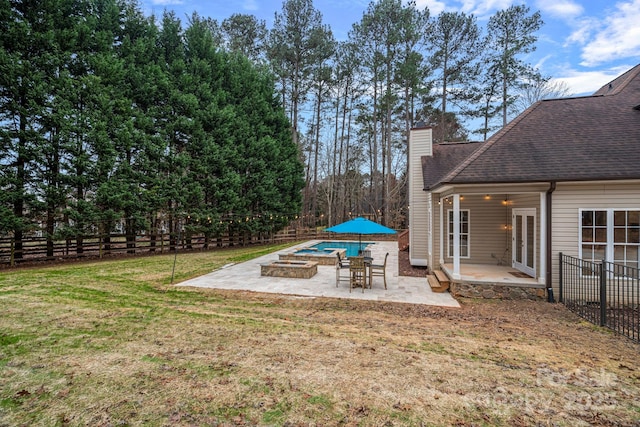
[(603, 293)]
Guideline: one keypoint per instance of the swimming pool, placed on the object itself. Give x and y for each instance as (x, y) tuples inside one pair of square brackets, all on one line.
[(325, 253), (352, 248)]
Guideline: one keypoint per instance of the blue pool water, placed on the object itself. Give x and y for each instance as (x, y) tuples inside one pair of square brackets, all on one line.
[(351, 247)]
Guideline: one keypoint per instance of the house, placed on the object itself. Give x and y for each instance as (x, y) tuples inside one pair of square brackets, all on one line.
[(564, 176)]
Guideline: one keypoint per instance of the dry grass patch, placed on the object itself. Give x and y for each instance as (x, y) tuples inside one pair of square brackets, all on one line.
[(112, 343)]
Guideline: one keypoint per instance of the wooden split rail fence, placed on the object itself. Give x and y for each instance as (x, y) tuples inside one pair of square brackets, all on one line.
[(38, 249)]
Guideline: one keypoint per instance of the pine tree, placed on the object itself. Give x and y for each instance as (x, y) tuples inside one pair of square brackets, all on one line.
[(511, 34), (455, 37), (245, 34), (27, 60)]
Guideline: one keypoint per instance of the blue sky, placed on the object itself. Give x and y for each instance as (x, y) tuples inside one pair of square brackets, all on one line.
[(584, 43)]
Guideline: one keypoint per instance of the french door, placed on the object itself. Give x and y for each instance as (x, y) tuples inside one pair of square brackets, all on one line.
[(523, 237)]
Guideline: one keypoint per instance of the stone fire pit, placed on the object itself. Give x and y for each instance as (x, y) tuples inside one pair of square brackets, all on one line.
[(286, 268)]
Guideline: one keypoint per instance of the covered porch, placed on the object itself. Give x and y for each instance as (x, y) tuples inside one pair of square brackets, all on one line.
[(492, 237)]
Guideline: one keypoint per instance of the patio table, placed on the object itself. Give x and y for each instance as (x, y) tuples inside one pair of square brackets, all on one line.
[(367, 265)]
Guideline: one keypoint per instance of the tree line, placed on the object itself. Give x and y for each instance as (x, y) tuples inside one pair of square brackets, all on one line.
[(352, 102), (109, 118), (112, 119)]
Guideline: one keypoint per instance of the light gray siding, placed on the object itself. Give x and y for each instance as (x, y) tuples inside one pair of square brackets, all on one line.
[(569, 198), (489, 237), (419, 145)]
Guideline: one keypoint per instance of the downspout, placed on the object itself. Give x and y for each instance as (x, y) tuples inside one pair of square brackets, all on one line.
[(549, 272)]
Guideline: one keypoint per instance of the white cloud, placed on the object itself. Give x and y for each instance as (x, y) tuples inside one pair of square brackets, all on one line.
[(540, 64), (587, 82), (560, 8), (617, 37), (585, 27), (482, 8), (435, 6)]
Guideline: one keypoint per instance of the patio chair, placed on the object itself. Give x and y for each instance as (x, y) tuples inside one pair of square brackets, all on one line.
[(342, 262), (342, 270), (357, 272), (379, 270)]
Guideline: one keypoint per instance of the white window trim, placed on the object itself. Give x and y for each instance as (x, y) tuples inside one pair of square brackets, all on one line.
[(609, 245), (449, 233)]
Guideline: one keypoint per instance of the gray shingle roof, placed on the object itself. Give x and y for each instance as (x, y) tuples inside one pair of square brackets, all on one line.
[(571, 139), (446, 157)]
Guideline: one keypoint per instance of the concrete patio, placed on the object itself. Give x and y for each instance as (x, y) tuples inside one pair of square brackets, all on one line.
[(246, 276)]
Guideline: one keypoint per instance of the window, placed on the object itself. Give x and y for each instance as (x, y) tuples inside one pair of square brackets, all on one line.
[(612, 235), (626, 237), (594, 235), (464, 233)]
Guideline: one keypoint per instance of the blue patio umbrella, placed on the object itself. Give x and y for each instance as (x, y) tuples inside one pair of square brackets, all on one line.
[(360, 226)]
